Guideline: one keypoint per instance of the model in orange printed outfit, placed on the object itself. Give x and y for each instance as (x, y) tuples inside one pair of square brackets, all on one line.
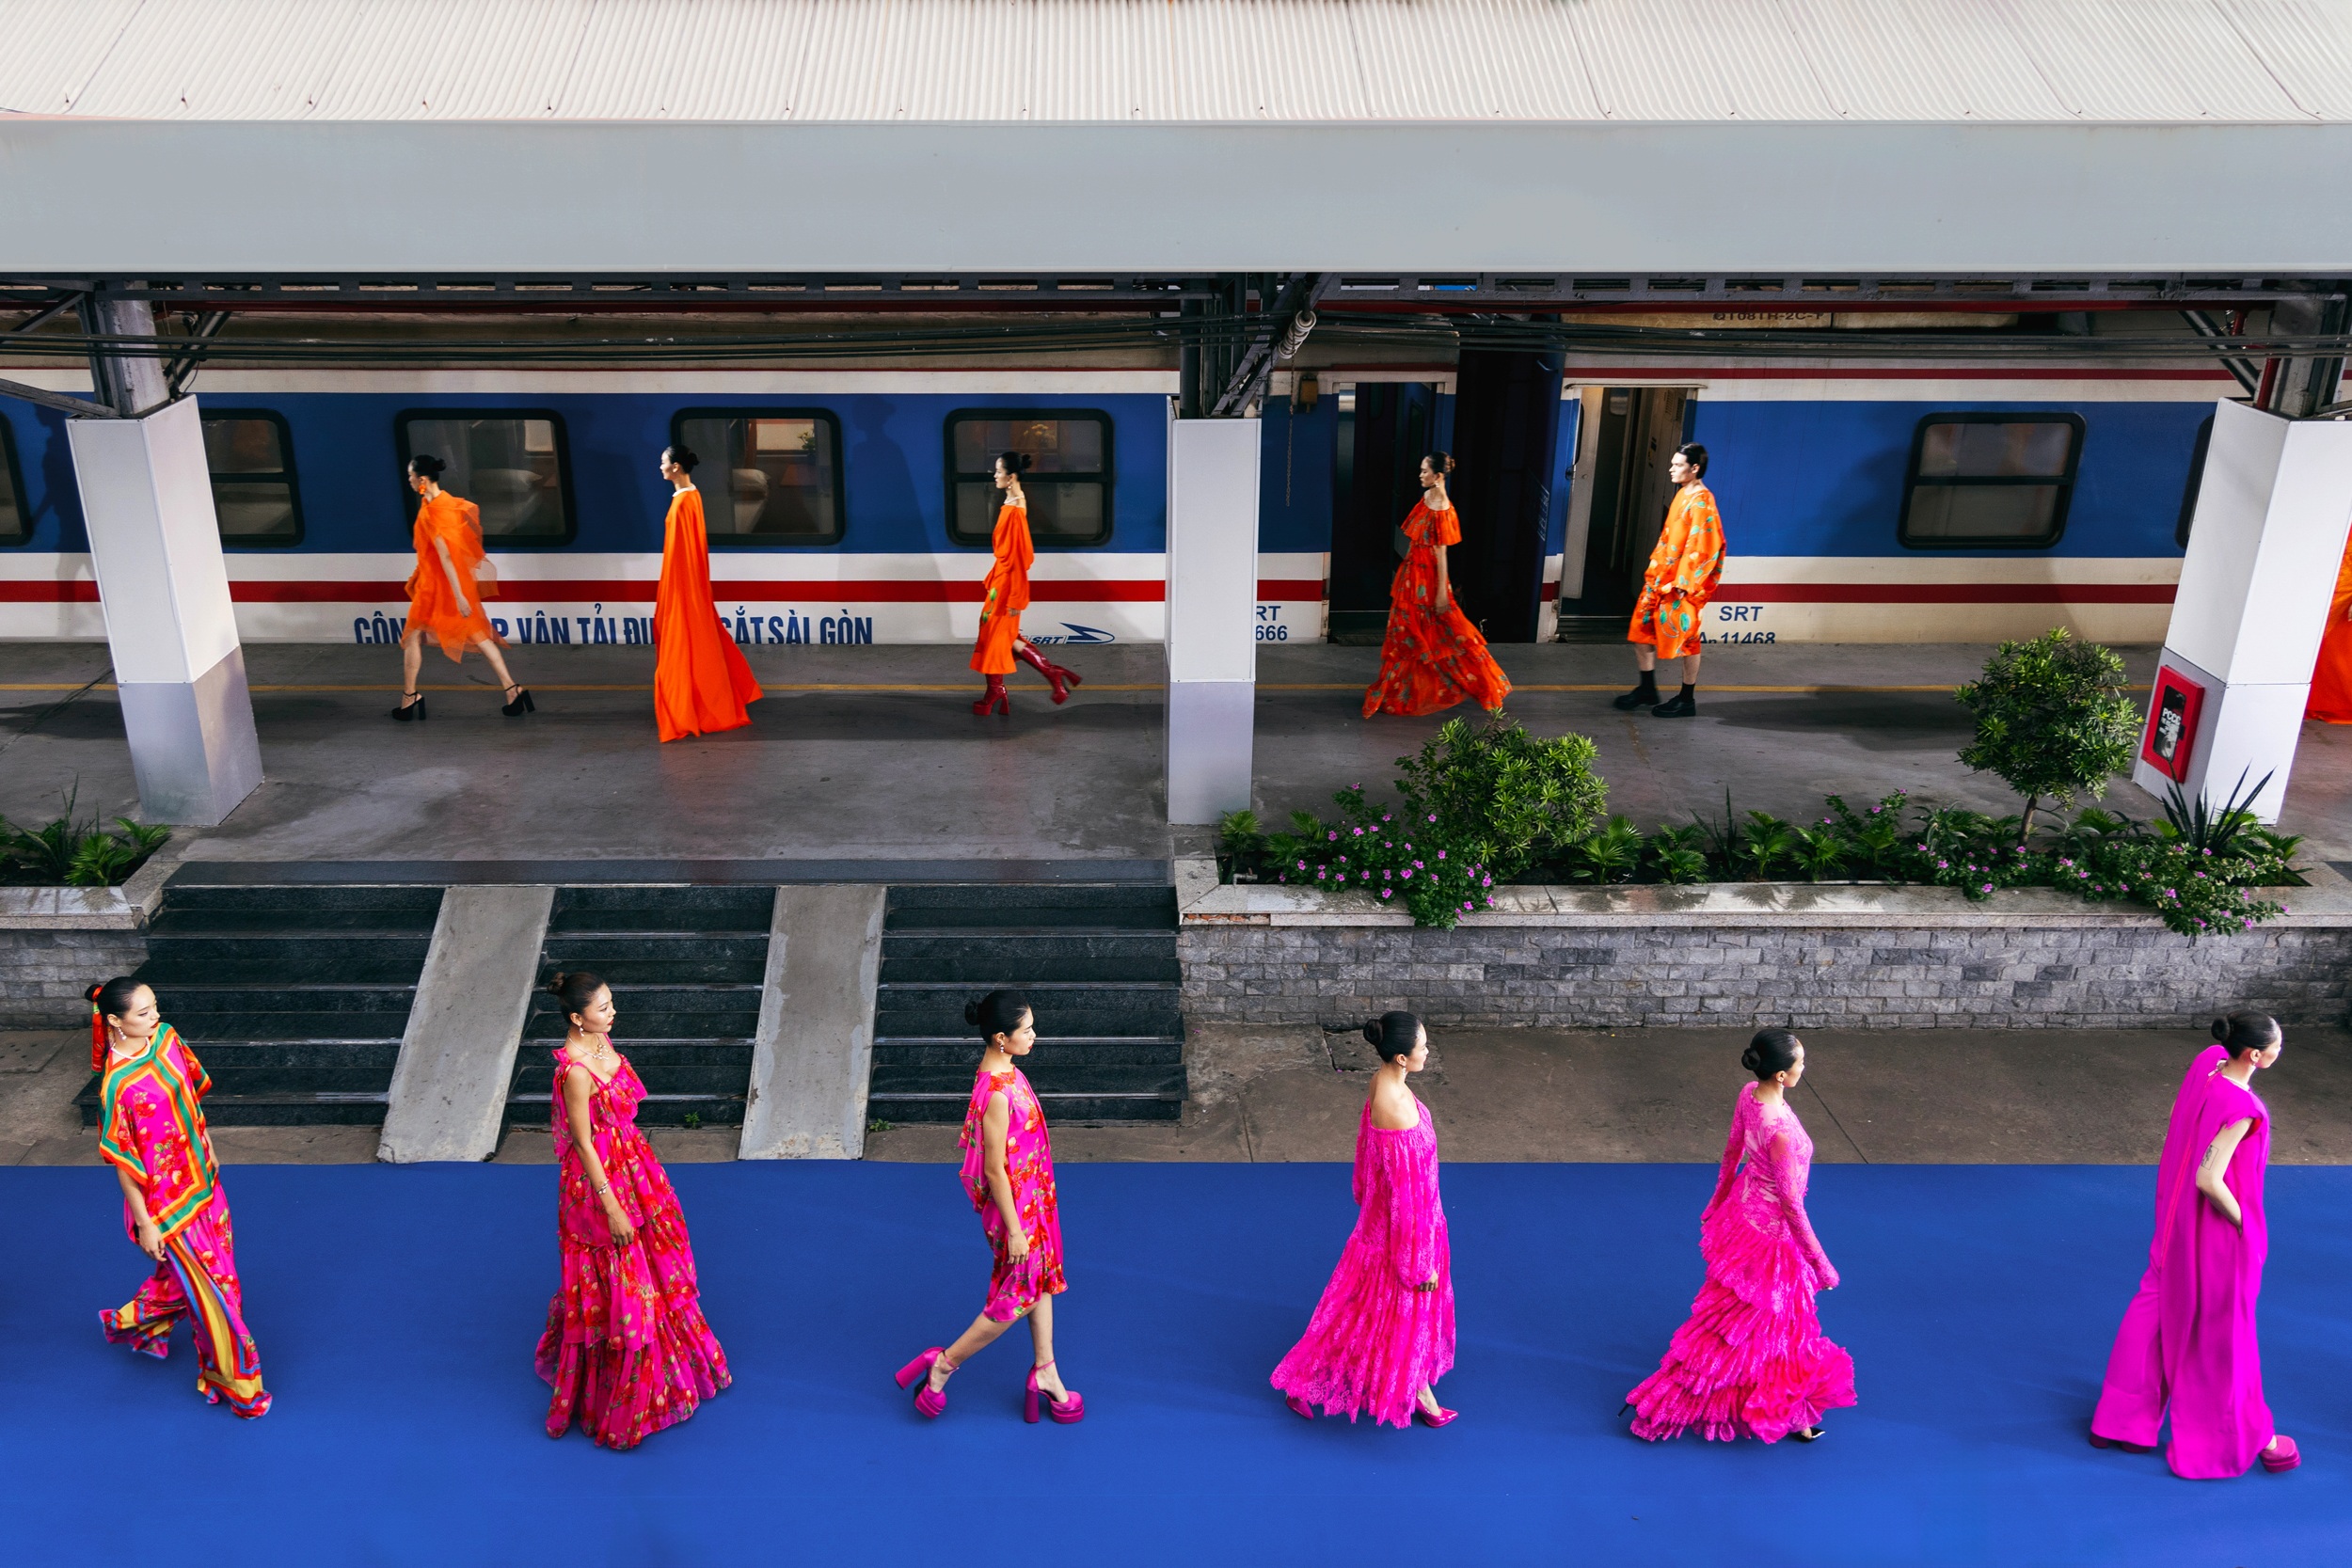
[(1432, 657), (701, 681), (1680, 579), (445, 591), (2331, 700), (1005, 593)]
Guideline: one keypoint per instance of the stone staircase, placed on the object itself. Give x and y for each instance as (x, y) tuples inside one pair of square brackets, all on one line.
[(294, 998), (685, 965), (1097, 962)]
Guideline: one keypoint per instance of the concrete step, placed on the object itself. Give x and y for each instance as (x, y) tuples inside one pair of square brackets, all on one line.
[(1145, 1106), (962, 1054), (293, 905), (264, 961), (1072, 1008), (705, 1078), (984, 958), (174, 921), (660, 909), (1104, 907)]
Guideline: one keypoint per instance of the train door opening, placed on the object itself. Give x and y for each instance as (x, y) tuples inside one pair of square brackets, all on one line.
[(1618, 503), (1383, 429)]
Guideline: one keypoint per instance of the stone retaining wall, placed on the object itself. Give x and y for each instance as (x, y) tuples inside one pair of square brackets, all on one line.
[(44, 973), (1798, 955)]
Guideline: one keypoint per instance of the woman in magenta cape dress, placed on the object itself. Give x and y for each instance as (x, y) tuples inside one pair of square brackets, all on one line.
[(626, 1349), (1383, 1332), (1750, 1361), (2188, 1343), (1009, 1175)]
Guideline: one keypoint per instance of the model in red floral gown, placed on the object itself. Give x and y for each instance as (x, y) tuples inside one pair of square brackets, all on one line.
[(625, 1348), (1432, 657)]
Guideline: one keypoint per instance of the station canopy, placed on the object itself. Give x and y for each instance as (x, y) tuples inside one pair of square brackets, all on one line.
[(507, 138)]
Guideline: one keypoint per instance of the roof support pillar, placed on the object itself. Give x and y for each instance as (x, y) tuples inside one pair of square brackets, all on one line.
[(147, 501), (1212, 616)]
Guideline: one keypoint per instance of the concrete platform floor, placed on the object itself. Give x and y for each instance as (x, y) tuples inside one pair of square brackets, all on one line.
[(1933, 1097), (871, 752)]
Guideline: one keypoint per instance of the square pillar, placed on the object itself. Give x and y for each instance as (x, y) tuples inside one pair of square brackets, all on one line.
[(147, 498), (2263, 548), (1212, 616)]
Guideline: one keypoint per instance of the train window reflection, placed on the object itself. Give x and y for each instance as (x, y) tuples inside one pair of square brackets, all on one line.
[(1990, 481), (512, 463), (1068, 483), (767, 476), (16, 512), (249, 454)]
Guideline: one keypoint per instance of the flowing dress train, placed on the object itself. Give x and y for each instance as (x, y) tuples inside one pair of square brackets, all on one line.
[(625, 1349), (455, 524), (1375, 1341), (702, 684), (1751, 1361), (1013, 1288), (151, 1124), (1430, 658), (2330, 701)]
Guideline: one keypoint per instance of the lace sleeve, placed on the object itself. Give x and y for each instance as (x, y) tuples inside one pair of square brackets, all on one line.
[(1407, 1186), (1785, 1178), (1734, 1141)]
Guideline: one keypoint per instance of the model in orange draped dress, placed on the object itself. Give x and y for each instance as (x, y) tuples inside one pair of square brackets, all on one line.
[(446, 590), (1005, 593), (1432, 657), (2331, 681), (701, 681)]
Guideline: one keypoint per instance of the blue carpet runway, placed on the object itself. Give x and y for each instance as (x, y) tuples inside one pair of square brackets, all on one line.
[(396, 1310)]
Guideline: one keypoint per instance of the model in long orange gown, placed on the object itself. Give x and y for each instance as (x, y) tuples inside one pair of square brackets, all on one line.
[(1004, 594), (1431, 658), (701, 681), (2331, 700), (446, 591)]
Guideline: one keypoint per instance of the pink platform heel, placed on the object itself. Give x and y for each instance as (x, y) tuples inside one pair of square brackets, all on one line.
[(1443, 1416), (2281, 1455), (1299, 1408), (1069, 1411), (928, 1400), (2099, 1442)]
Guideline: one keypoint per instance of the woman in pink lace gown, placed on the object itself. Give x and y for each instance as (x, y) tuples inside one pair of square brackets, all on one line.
[(1750, 1361), (2188, 1346), (625, 1348), (1383, 1332), (1009, 1175)]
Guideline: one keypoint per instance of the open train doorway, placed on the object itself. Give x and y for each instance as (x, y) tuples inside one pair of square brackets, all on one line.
[(1616, 503), (1383, 428)]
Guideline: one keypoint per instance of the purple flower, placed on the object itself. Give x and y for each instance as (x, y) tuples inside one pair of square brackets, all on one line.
[(1333, 833), (1941, 865), (1415, 864), (1988, 887), (1433, 816), (1387, 891), (1441, 854), (1409, 876), (1359, 832)]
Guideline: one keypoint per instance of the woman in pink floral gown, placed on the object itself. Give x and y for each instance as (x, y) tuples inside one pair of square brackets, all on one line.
[(1383, 1332), (1750, 1361), (1008, 1174), (625, 1348)]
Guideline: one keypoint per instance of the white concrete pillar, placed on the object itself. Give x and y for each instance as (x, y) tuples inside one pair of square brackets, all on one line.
[(2269, 534), (147, 501), (1212, 616)]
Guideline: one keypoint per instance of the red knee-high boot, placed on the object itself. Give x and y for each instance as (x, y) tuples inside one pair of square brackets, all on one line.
[(997, 699), (1055, 676)]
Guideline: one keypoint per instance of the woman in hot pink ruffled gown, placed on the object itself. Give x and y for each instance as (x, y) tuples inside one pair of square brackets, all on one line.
[(1383, 1332), (1750, 1361), (2188, 1346), (625, 1348)]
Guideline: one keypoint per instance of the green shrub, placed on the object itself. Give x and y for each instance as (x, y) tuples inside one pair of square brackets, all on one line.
[(2052, 720), (65, 853), (1506, 798)]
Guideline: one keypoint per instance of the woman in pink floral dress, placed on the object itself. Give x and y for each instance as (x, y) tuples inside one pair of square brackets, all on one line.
[(1383, 1332), (1750, 1361), (1009, 1173), (625, 1347)]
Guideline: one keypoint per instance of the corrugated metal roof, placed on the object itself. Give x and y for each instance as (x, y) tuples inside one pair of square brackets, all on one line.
[(2263, 61)]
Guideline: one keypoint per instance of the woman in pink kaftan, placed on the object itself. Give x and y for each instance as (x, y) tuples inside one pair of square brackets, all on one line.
[(1751, 1361), (1008, 1174), (2187, 1345), (1383, 1332), (151, 1130), (625, 1349)]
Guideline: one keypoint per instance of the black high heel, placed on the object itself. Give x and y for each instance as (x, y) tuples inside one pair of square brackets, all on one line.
[(521, 705), (1808, 1434), (411, 707)]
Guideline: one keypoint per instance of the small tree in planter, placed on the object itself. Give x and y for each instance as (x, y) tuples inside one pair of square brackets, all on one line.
[(2052, 720)]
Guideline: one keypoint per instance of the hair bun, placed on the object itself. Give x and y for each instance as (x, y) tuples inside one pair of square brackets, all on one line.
[(971, 1014), (90, 995), (555, 982), (1751, 1059), (1372, 1033), (2220, 1029)]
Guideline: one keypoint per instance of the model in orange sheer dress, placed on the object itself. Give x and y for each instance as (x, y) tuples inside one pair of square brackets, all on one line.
[(1432, 657), (2331, 700), (446, 591), (701, 682), (1005, 593)]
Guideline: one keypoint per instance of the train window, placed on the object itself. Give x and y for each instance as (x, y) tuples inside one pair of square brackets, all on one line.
[(16, 512), (1988, 481), (250, 454), (512, 463), (2196, 482), (1068, 483), (769, 476)]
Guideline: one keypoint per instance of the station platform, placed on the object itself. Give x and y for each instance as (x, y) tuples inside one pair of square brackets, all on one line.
[(870, 753)]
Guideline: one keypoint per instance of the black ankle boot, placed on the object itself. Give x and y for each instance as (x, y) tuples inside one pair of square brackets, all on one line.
[(1645, 694), (1682, 705)]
